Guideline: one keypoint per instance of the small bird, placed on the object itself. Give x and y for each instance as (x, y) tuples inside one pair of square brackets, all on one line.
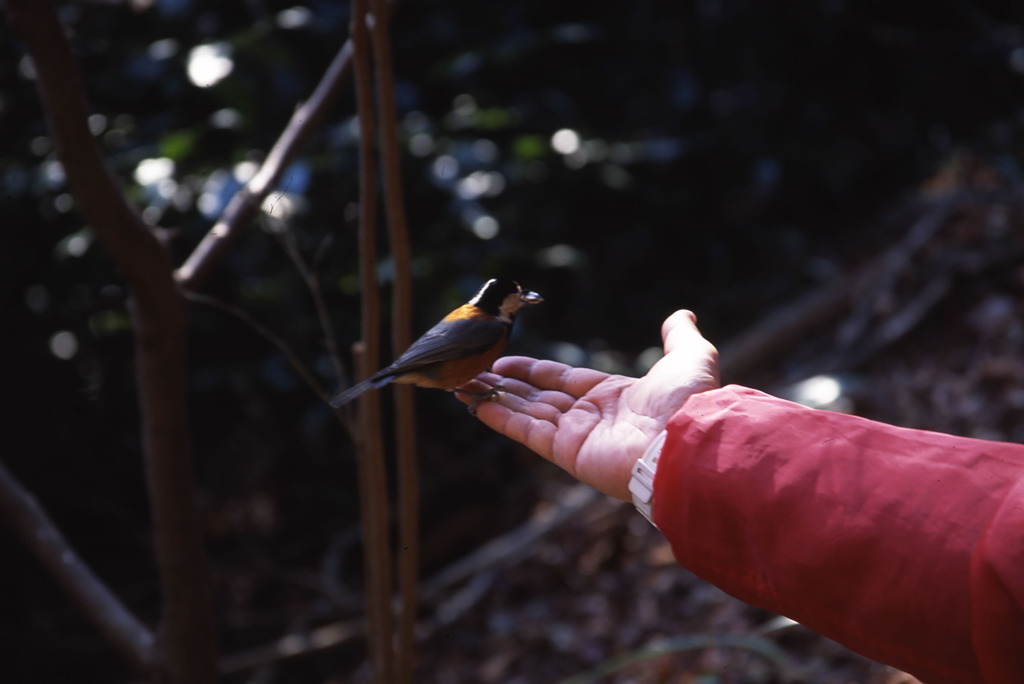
[(464, 344)]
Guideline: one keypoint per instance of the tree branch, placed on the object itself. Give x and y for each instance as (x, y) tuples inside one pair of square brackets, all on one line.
[(267, 334), (246, 203), (37, 531), (373, 489), (401, 338), (97, 193), (311, 277), (186, 636)]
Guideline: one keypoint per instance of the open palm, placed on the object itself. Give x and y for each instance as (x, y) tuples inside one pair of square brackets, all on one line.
[(593, 424)]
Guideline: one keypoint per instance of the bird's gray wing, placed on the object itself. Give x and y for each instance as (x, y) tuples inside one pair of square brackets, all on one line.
[(449, 340)]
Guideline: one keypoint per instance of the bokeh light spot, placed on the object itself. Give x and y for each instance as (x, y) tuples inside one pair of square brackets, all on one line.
[(64, 345), (152, 171), (486, 227), (209, 64), (565, 141)]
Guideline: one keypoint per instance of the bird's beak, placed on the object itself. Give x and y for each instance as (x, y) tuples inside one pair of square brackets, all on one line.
[(529, 297)]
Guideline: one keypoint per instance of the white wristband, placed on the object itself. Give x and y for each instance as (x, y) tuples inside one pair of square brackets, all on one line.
[(641, 485)]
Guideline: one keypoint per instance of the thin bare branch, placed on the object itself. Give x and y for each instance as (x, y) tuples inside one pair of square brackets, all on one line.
[(311, 277), (267, 334), (294, 645), (245, 205), (316, 290), (108, 613)]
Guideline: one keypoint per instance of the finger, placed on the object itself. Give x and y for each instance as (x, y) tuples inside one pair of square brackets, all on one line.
[(512, 417), (514, 366), (527, 395), (540, 405), (549, 375), (509, 383)]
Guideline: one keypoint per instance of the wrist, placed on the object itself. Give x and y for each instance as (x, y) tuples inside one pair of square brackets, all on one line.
[(641, 482)]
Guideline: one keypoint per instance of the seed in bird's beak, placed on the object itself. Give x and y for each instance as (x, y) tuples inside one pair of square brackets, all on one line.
[(529, 297)]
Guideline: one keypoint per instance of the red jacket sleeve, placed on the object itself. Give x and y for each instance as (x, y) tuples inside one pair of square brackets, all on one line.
[(904, 545)]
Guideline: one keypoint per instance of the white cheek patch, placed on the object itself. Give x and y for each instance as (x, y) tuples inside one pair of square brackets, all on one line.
[(510, 306)]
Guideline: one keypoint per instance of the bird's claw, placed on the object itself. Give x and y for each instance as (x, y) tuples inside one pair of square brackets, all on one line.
[(480, 396)]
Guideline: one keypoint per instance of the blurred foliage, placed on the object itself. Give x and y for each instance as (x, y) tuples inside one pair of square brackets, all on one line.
[(622, 159)]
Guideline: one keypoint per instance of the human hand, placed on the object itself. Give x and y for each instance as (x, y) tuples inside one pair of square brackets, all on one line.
[(596, 425)]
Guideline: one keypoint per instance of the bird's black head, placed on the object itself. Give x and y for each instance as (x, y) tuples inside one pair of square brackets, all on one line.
[(502, 297)]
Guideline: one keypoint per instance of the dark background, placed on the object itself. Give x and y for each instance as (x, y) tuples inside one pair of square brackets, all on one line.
[(733, 156)]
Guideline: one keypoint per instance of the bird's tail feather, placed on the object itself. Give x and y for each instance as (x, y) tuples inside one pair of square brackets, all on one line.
[(355, 390)]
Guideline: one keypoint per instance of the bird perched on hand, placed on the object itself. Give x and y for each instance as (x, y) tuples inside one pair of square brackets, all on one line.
[(464, 344)]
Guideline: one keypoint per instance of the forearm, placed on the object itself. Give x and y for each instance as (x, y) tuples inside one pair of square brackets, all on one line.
[(867, 533)]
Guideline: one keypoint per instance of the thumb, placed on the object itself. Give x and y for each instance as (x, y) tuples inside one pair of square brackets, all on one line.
[(680, 328), (686, 350)]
